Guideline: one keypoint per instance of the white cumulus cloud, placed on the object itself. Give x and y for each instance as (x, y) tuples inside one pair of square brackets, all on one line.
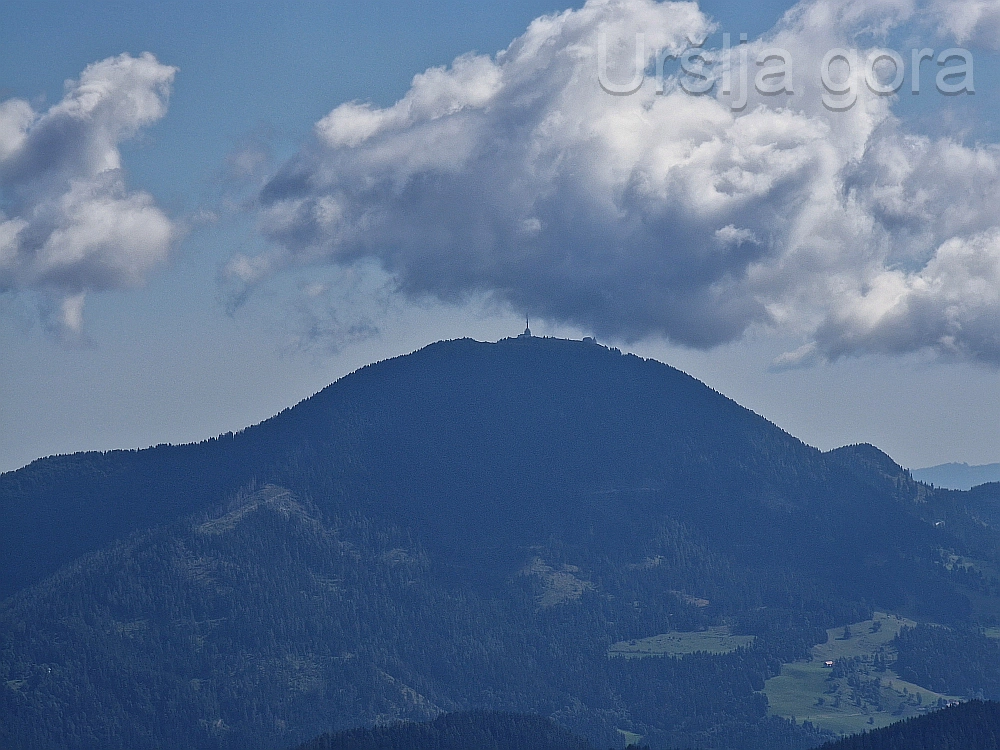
[(658, 213), (68, 223)]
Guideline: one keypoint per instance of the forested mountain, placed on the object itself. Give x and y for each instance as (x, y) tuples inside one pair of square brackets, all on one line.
[(484, 447), (969, 726), (472, 526)]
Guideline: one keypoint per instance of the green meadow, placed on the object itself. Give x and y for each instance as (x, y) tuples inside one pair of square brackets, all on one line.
[(870, 694), (715, 640)]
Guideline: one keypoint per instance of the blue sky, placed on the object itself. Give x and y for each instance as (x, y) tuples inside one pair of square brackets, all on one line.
[(875, 324)]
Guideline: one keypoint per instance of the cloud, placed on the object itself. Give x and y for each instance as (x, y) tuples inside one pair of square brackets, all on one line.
[(951, 305), (969, 21), (665, 214), (68, 223)]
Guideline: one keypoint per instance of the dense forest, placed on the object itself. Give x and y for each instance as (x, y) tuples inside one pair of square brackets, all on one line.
[(968, 726), (266, 622), (471, 730), (956, 661), (471, 527)]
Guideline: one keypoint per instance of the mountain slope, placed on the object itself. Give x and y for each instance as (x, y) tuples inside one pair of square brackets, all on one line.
[(170, 637), (265, 622)]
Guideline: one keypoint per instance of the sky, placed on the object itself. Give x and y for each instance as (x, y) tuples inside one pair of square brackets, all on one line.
[(209, 212)]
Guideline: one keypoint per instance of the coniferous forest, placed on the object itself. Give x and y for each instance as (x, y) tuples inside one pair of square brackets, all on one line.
[(471, 730), (974, 725)]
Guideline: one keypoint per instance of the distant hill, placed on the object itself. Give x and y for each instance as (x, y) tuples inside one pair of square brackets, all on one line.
[(969, 726), (473, 730), (469, 527), (958, 476)]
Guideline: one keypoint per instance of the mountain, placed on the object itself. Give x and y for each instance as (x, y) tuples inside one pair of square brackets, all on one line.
[(484, 447), (969, 726), (472, 526), (955, 476)]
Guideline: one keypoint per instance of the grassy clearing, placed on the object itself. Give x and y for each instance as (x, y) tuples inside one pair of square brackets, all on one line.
[(717, 640), (560, 585), (864, 699), (631, 738)]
